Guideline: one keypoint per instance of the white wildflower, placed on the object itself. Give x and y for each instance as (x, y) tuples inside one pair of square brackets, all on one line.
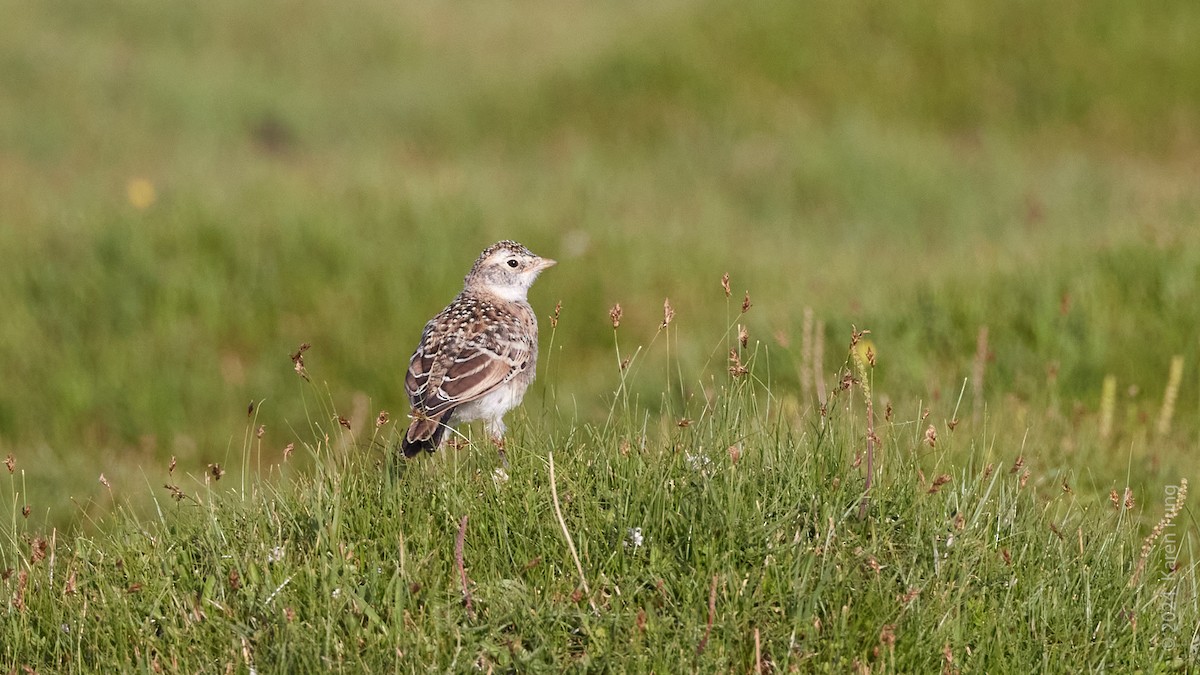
[(635, 538), (697, 462), (499, 476), (275, 555)]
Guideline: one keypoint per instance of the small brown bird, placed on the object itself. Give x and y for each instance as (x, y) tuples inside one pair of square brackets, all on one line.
[(476, 357)]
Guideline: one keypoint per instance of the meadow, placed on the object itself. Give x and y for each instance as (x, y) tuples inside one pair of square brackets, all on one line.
[(1003, 195)]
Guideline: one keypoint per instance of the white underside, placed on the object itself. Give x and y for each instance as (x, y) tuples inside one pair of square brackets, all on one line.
[(491, 406)]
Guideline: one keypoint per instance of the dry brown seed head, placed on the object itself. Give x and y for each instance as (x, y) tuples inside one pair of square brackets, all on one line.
[(25, 511), (262, 429), (1067, 488), (939, 482), (909, 596), (887, 635), (952, 423), (1025, 477), (887, 412), (736, 369), (10, 462), (735, 453), (176, 493), (298, 360), (554, 316), (743, 335), (1116, 501), (104, 482), (171, 466), (235, 580), (344, 422), (683, 423), (1006, 555), (250, 409), (1128, 498), (382, 419), (746, 304), (615, 315), (725, 284), (959, 521), (287, 450), (668, 313), (987, 471), (847, 381), (216, 471), (931, 435), (1017, 464), (924, 414), (37, 550)]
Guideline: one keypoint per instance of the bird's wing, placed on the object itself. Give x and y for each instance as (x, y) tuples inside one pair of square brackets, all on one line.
[(449, 369)]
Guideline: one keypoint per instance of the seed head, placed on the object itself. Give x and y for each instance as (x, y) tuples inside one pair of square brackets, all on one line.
[(298, 361), (668, 313), (10, 463), (725, 284), (615, 315), (743, 335), (931, 436), (736, 369), (1017, 465), (746, 304), (382, 419), (554, 316), (939, 482)]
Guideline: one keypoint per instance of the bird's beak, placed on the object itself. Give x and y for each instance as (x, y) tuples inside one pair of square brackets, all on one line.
[(546, 262)]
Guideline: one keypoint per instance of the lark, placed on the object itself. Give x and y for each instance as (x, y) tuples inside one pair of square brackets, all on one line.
[(477, 357)]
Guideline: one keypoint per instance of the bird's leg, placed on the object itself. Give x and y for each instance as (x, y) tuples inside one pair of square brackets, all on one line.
[(496, 432)]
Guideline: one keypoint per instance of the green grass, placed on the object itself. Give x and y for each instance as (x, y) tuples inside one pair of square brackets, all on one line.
[(350, 564), (326, 174)]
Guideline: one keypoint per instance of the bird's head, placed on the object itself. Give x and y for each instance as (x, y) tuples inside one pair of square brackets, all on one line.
[(506, 269)]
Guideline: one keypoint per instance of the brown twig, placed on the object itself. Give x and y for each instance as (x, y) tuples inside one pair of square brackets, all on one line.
[(462, 570), (712, 612)]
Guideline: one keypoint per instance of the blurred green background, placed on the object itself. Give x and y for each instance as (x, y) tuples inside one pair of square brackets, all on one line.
[(188, 191)]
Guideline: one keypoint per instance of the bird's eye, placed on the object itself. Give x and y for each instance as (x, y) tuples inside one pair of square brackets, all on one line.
[(512, 262)]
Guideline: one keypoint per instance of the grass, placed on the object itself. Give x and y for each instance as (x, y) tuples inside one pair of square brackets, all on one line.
[(749, 553), (191, 192)]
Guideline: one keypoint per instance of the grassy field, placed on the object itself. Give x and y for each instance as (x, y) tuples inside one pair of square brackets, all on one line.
[(189, 193)]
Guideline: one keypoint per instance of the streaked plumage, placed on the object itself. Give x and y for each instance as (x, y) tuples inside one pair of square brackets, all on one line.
[(477, 357)]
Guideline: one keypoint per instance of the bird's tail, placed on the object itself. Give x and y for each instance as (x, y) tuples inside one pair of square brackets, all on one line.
[(425, 433)]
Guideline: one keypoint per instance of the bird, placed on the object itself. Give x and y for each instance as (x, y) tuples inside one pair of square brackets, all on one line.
[(477, 357)]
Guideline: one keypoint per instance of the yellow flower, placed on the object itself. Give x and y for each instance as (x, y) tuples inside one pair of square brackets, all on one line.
[(141, 193)]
